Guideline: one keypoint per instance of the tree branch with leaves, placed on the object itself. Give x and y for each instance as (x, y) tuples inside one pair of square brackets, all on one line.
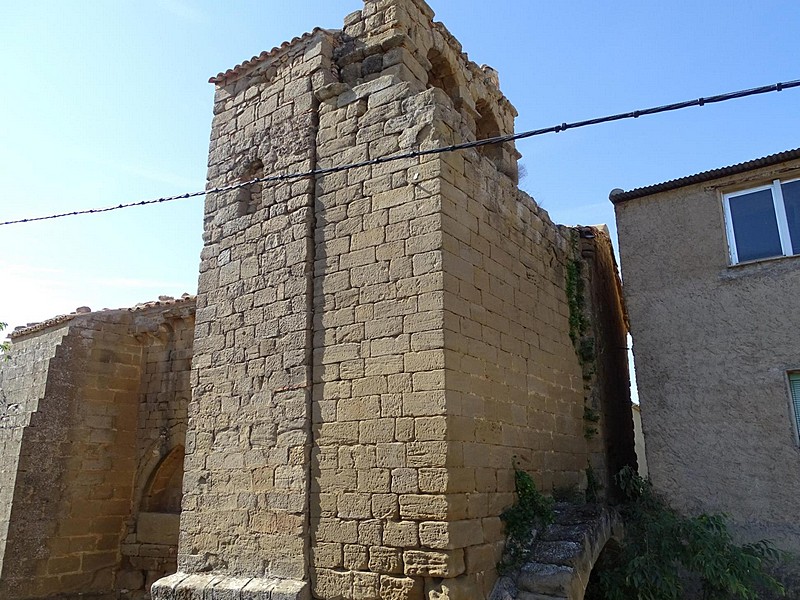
[(4, 346)]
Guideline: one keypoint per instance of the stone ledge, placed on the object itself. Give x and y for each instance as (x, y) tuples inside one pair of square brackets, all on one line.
[(184, 586)]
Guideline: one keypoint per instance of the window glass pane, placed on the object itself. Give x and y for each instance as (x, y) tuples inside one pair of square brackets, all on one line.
[(794, 387), (755, 226), (791, 199)]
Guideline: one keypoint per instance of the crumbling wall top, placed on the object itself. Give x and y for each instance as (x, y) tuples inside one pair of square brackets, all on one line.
[(246, 67), (163, 301)]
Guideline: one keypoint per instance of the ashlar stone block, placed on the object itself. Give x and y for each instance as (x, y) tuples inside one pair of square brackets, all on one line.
[(401, 588), (429, 563)]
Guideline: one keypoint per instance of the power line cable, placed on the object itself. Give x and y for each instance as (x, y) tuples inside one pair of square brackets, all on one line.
[(777, 87)]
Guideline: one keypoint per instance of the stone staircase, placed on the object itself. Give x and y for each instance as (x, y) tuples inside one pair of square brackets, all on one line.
[(562, 555)]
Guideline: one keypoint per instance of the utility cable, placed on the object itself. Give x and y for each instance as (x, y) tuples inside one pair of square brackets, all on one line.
[(777, 87)]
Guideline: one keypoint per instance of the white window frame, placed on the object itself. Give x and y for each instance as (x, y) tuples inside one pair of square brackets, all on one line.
[(794, 374), (780, 215)]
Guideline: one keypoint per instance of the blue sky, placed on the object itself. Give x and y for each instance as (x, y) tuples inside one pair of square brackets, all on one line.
[(108, 102)]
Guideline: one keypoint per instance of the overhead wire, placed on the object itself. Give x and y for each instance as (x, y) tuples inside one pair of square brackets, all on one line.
[(635, 114)]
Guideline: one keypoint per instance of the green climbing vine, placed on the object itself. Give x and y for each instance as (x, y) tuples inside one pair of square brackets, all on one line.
[(531, 512), (579, 326), (592, 418), (578, 323)]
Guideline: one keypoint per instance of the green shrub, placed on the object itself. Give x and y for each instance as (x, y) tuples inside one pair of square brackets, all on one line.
[(662, 548), (532, 512)]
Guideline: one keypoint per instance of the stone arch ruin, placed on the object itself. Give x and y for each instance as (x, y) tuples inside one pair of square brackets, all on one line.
[(442, 75), (164, 489), (564, 555), (487, 127)]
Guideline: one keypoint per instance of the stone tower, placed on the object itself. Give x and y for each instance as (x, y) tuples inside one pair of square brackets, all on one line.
[(376, 347)]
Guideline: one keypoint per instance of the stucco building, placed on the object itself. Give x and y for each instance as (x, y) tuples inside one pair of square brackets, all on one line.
[(712, 285)]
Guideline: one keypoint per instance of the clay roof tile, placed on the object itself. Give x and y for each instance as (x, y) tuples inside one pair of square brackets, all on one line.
[(82, 310), (244, 67)]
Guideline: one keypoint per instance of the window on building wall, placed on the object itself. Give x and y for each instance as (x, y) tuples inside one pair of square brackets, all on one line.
[(794, 392), (763, 222)]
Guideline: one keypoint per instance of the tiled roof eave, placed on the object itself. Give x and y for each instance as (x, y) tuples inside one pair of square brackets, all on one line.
[(242, 68), (165, 301), (765, 161)]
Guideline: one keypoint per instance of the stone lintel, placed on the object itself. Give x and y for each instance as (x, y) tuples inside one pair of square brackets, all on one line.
[(204, 586)]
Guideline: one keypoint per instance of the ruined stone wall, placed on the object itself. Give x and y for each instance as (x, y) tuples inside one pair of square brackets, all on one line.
[(149, 550), (75, 467), (23, 381), (374, 349), (74, 461)]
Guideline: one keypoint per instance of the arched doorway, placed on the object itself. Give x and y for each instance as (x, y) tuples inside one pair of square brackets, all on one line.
[(151, 548)]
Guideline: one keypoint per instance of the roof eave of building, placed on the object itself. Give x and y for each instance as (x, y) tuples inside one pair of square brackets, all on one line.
[(617, 196)]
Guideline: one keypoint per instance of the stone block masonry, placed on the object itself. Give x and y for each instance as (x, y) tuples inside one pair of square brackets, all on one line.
[(90, 404), (373, 352), (375, 348)]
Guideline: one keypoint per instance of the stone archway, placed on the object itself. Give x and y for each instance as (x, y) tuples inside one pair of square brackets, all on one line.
[(563, 555), (163, 491), (151, 549), (158, 521)]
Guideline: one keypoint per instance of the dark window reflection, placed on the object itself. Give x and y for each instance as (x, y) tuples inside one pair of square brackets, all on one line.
[(791, 199), (755, 226)]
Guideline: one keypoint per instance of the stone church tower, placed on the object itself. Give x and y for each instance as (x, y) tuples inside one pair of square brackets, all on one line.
[(377, 347), (372, 352)]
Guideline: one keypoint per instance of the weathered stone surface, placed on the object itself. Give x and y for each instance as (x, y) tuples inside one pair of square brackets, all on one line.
[(561, 568), (460, 588), (400, 588), (557, 553), (93, 417), (158, 528), (545, 578), (504, 589), (182, 586), (375, 348), (449, 563)]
